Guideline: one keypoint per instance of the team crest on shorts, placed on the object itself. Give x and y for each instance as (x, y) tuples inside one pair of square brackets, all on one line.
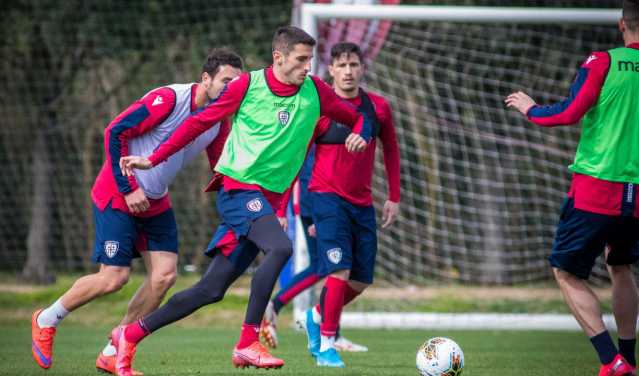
[(255, 205), (334, 255), (111, 248), (283, 117)]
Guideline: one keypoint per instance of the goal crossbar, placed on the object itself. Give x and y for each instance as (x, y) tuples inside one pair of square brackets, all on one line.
[(311, 13)]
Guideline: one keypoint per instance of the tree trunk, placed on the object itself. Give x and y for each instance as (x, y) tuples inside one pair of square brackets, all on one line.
[(37, 268)]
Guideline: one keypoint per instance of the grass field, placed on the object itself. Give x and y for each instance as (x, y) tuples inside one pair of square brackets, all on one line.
[(201, 344), (188, 351)]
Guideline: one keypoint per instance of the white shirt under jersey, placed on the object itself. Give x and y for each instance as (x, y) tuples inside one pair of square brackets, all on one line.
[(155, 182)]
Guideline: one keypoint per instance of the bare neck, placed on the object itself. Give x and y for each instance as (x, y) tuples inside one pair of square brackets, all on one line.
[(279, 75), (200, 96), (630, 38)]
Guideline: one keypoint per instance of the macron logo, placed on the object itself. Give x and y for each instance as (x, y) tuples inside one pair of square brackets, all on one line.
[(157, 100), (590, 59)]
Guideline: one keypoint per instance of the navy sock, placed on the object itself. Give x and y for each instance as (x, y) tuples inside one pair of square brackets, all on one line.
[(605, 347), (627, 350)]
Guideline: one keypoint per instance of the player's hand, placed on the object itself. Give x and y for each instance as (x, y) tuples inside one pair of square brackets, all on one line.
[(136, 201), (311, 231), (521, 101), (130, 162), (390, 213), (283, 223), (355, 143)]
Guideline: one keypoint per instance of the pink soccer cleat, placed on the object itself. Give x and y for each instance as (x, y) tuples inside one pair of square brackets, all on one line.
[(256, 356)]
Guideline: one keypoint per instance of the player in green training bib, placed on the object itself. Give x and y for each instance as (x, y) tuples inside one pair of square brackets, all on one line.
[(601, 212), (275, 114)]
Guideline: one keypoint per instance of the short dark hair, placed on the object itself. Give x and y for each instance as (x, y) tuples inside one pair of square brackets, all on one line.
[(630, 14), (219, 57), (346, 48), (286, 37)]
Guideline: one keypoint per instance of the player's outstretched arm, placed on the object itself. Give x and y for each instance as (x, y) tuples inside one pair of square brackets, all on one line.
[(520, 101), (583, 95)]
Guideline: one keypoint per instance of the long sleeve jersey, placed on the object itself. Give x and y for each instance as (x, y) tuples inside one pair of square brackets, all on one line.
[(589, 193)]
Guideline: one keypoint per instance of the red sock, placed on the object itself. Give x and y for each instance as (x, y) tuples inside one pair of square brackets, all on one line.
[(248, 335), (350, 294), (135, 332), (332, 305)]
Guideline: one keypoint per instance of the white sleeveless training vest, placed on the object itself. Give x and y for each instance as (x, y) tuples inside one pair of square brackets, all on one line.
[(155, 182)]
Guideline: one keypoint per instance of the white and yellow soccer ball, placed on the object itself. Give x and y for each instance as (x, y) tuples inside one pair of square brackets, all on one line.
[(440, 356)]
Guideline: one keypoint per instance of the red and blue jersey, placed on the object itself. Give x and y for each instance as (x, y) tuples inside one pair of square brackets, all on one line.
[(349, 175), (146, 118), (589, 193)]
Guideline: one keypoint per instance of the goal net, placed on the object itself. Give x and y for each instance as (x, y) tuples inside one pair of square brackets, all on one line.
[(481, 186)]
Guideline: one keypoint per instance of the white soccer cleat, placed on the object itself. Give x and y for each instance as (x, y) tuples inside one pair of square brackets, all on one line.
[(344, 344)]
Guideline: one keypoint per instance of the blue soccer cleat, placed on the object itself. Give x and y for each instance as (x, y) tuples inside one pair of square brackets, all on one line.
[(313, 334), (329, 358)]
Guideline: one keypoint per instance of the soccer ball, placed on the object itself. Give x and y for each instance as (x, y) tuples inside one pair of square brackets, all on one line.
[(440, 356)]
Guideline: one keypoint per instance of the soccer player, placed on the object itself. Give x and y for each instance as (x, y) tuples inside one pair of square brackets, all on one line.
[(601, 208), (342, 204), (275, 114), (340, 184), (133, 215)]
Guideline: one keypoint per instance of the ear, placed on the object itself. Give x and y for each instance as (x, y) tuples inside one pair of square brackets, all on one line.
[(206, 79), (278, 57), (622, 25)]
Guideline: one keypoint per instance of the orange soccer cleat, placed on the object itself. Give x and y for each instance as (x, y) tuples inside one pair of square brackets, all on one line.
[(618, 367), (41, 342), (125, 353), (256, 356), (106, 364)]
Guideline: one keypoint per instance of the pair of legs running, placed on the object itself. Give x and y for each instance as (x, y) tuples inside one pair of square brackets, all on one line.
[(346, 237), (299, 283), (118, 236), (161, 275), (580, 239), (249, 226)]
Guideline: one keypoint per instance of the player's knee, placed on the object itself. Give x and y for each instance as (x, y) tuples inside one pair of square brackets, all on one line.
[(562, 276), (343, 274), (115, 282), (164, 280), (359, 286), (112, 278), (283, 250), (619, 270), (211, 295)]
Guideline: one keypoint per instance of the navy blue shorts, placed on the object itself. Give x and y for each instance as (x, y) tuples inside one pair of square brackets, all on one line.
[(582, 236), (238, 209), (119, 237), (346, 236)]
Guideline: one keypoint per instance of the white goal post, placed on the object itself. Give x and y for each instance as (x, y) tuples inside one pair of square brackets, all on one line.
[(311, 14)]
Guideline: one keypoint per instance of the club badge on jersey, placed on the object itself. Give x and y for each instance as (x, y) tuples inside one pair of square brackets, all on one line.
[(255, 205), (334, 255), (283, 117), (111, 248)]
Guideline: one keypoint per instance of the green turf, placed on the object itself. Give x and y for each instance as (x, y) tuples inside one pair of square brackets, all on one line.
[(188, 351)]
